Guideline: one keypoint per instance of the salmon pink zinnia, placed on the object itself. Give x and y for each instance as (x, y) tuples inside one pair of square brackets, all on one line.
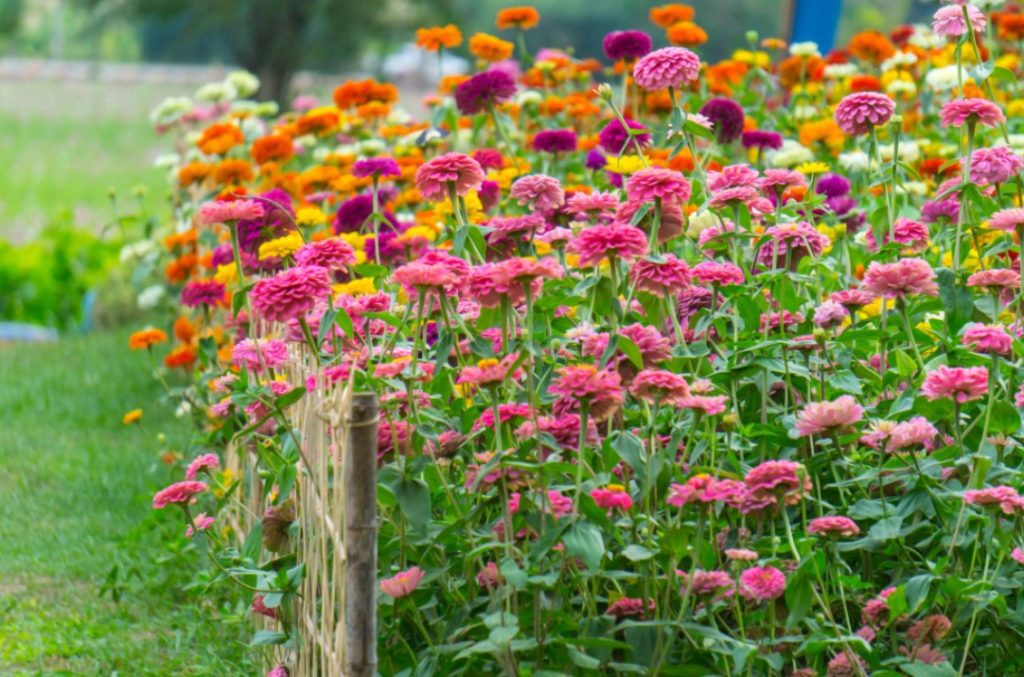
[(960, 384), (402, 583), (762, 583)]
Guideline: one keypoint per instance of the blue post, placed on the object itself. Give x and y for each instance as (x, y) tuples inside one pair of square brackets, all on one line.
[(816, 21)]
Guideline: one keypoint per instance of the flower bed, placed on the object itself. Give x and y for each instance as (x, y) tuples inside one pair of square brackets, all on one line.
[(708, 369)]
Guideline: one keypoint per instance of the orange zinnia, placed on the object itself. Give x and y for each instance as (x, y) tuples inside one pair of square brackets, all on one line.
[(490, 48), (871, 46), (318, 122), (687, 34), (272, 147), (219, 138), (146, 338), (667, 16), (523, 18), (182, 356), (232, 171), (193, 172), (184, 330), (433, 39)]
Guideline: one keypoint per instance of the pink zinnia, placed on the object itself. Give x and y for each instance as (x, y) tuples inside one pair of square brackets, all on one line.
[(654, 183), (916, 433), (971, 111), (620, 240), (900, 279), (202, 522), (833, 526), (436, 176), (960, 384), (988, 338), (490, 372), (179, 492), (853, 298), (773, 478), (258, 353), (732, 196), (334, 254), (223, 211), (540, 192), (778, 180), (995, 165), (628, 607), (418, 276), (732, 176), (290, 294), (713, 272), (913, 234), (1005, 497), (205, 462), (1018, 555), (667, 276), (585, 381), (762, 583), (612, 497), (951, 22), (828, 417), (740, 554), (659, 385), (1007, 219), (668, 67), (830, 314), (707, 583), (791, 242), (590, 205), (996, 278), (402, 583), (860, 112)]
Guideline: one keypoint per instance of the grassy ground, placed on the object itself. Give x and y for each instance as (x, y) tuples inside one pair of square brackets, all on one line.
[(76, 486), (66, 144)]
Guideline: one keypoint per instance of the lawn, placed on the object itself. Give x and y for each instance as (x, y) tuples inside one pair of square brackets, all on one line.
[(67, 144), (76, 486)]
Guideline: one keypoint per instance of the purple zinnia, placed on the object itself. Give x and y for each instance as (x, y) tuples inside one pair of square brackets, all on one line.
[(278, 219), (936, 210), (596, 160), (832, 185), (202, 293), (626, 45), (353, 212), (376, 166), (727, 116), (483, 90), (614, 137), (761, 139), (555, 141)]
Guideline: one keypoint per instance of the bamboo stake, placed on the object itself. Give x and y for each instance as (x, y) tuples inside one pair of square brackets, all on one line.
[(360, 538)]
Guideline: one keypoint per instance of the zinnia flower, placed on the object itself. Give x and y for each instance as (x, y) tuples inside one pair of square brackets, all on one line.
[(833, 526), (653, 183), (620, 240), (828, 417), (1005, 497), (555, 141), (614, 138), (436, 176), (626, 45), (659, 385), (202, 293), (179, 492), (900, 279), (958, 112), (484, 90), (727, 116), (988, 338), (950, 20), (611, 497), (376, 167), (402, 583), (205, 462), (668, 67), (226, 211), (762, 583), (290, 294), (859, 112), (540, 192), (1007, 219), (960, 384), (667, 276)]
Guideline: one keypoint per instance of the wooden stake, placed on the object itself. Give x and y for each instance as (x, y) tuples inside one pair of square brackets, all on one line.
[(360, 464)]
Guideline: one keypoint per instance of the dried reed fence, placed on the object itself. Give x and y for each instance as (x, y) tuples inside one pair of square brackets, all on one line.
[(335, 505)]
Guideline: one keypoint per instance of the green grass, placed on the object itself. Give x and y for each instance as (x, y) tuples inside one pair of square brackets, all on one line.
[(65, 145), (76, 486)]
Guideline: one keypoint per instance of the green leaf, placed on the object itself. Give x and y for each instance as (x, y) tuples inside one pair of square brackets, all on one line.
[(631, 350), (267, 637), (1005, 418), (414, 500), (886, 529), (798, 599), (584, 540), (290, 397), (512, 573), (956, 300), (637, 553), (917, 591)]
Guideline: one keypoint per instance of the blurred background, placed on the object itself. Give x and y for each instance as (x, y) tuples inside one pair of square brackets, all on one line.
[(78, 78)]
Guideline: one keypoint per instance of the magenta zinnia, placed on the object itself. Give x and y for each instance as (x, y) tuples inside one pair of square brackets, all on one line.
[(290, 294)]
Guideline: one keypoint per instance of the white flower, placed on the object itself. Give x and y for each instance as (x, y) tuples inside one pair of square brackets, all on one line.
[(790, 155), (909, 151), (925, 38), (371, 147), (805, 112), (253, 126), (918, 188), (838, 71), (700, 222), (943, 79), (167, 161), (1017, 142), (136, 250), (150, 297), (170, 109), (216, 92), (808, 48), (398, 116), (898, 87), (243, 82), (183, 410), (861, 237), (899, 59), (529, 97), (854, 161), (266, 109)]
